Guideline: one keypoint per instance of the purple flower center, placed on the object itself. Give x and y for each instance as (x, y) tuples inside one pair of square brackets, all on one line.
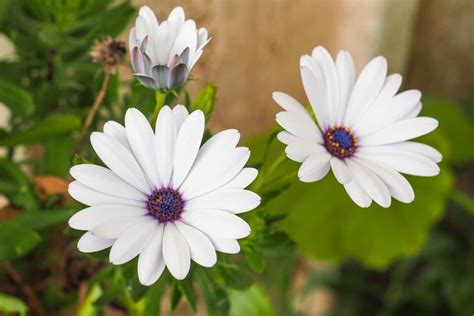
[(165, 204), (340, 142)]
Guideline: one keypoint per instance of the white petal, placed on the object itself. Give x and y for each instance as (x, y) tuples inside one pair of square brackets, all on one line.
[(176, 14), (232, 200), (398, 186), (357, 194), (225, 245), (315, 88), (388, 112), (90, 243), (217, 223), (104, 180), (400, 131), (300, 149), (417, 148), (241, 180), (315, 167), (165, 144), (142, 140), (346, 75), (215, 165), (187, 146), (180, 113), (414, 112), (187, 37), (299, 125), (91, 197), (112, 229), (176, 252), (288, 103), (325, 61), (90, 217), (366, 88), (132, 242), (149, 17), (370, 182), (402, 161), (200, 247), (286, 137), (119, 160), (151, 262), (340, 170), (118, 132)]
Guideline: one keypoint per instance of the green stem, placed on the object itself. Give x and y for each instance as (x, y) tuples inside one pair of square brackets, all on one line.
[(160, 97)]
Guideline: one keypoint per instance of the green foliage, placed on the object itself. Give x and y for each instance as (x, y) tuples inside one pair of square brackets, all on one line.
[(205, 100), (54, 125), (18, 100), (10, 304), (250, 302), (12, 248)]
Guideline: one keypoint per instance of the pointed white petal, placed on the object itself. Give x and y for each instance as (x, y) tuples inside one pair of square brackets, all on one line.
[(118, 132), (366, 89), (112, 229), (340, 170), (90, 243), (142, 141), (176, 252), (187, 146), (104, 180), (346, 75), (289, 103), (151, 262), (132, 242), (400, 131), (217, 223), (242, 179), (165, 144), (180, 113), (402, 161), (299, 149), (315, 167), (357, 194), (91, 197), (119, 160), (417, 148), (414, 112), (398, 186), (299, 125), (225, 245), (370, 182), (315, 88), (200, 247), (176, 14), (90, 217), (233, 200)]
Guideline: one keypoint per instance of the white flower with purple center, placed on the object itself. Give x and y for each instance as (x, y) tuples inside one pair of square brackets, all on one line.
[(163, 54), (362, 132), (163, 197)]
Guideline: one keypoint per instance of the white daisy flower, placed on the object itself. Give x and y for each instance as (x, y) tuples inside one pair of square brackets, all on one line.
[(163, 197), (362, 131), (163, 54)]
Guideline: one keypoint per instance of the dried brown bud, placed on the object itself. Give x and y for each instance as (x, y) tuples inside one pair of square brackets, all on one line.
[(109, 53)]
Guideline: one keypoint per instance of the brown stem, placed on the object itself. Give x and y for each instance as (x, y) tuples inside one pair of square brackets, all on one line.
[(95, 107), (34, 302)]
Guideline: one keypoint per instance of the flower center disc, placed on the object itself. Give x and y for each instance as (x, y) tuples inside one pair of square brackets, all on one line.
[(165, 204), (340, 142)]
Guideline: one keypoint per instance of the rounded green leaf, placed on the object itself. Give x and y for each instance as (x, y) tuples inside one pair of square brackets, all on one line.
[(18, 100)]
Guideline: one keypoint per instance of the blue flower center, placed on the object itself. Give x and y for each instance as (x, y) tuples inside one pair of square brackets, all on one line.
[(340, 142), (165, 204)]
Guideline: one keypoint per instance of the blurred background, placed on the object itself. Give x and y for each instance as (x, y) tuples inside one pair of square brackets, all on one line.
[(420, 265)]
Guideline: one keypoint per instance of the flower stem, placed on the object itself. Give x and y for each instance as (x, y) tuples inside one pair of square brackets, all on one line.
[(161, 97), (95, 107)]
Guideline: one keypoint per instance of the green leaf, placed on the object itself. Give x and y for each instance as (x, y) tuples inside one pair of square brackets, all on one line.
[(176, 295), (254, 260), (206, 100), (11, 304), (250, 302), (454, 126), (22, 193), (16, 241), (216, 298), (41, 220), (18, 100), (186, 287), (53, 126), (88, 308)]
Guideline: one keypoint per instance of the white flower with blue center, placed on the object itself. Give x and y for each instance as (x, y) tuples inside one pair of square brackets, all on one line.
[(163, 54), (363, 129), (162, 196)]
